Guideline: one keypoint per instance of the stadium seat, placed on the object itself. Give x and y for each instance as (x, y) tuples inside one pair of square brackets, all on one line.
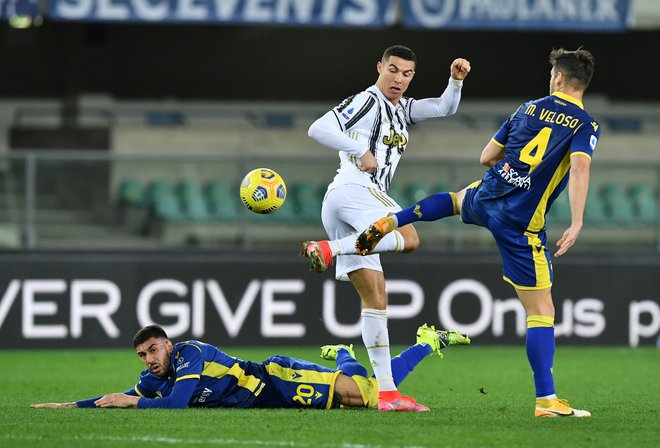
[(164, 202), (131, 193), (287, 213), (307, 201), (594, 210), (560, 210), (417, 191), (441, 187), (624, 124), (644, 203), (158, 187), (192, 201), (223, 203), (618, 207), (165, 118), (167, 207)]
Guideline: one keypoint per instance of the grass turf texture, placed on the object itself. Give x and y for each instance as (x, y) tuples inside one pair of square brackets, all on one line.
[(479, 396)]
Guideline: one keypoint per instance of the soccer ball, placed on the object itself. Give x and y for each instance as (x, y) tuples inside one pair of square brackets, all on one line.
[(263, 191)]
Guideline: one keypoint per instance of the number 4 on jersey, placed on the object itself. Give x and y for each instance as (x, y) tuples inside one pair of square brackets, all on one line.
[(533, 152)]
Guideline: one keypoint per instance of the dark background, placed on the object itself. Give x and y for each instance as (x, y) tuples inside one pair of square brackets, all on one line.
[(296, 63), (615, 280)]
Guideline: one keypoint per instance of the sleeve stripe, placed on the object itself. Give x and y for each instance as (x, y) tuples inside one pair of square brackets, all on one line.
[(580, 153), (409, 108), (188, 377), (366, 108), (344, 104), (191, 344), (138, 391), (497, 143)]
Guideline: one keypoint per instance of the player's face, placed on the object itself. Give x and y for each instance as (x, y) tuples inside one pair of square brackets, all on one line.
[(155, 354), (394, 76)]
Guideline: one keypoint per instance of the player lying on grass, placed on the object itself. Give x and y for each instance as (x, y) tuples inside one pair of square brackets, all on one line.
[(192, 373)]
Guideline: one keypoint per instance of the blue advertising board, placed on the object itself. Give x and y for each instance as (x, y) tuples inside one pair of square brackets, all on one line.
[(533, 15), (349, 13), (14, 8)]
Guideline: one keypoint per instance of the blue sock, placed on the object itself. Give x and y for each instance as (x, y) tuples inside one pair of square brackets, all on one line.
[(540, 352), (407, 360), (431, 208), (349, 365)]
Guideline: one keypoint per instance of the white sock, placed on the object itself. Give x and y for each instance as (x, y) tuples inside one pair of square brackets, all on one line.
[(548, 397), (392, 242), (377, 341)]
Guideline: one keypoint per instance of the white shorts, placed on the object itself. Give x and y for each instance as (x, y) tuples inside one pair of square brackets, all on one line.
[(349, 209)]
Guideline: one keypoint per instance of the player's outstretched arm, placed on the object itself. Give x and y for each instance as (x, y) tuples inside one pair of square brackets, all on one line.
[(88, 403), (68, 405), (447, 103), (106, 401)]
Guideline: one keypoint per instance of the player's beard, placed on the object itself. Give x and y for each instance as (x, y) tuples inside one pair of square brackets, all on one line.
[(158, 369)]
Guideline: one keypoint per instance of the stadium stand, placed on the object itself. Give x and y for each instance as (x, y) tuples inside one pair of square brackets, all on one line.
[(163, 201), (396, 193), (618, 207), (162, 195), (131, 193), (193, 203), (560, 212), (644, 203), (307, 201), (222, 203), (417, 191), (594, 210)]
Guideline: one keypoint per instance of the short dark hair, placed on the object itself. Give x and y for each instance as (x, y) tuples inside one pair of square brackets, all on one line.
[(577, 66), (400, 51), (148, 332)]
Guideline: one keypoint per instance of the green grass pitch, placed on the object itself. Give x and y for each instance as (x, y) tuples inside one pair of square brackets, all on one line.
[(479, 396)]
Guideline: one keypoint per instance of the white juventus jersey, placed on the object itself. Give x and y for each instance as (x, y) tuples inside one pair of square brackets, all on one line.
[(368, 120), (371, 119)]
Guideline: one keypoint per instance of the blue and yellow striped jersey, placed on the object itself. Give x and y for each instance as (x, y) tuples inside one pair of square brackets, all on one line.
[(539, 140), (221, 380), (224, 381)]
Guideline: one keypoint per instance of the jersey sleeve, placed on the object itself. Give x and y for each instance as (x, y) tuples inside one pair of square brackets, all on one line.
[(354, 109), (327, 131), (147, 385), (585, 139), (89, 403), (446, 104), (502, 135), (178, 398), (188, 361)]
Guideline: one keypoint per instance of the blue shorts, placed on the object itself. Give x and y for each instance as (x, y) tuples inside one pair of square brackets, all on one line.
[(525, 257), (296, 383)]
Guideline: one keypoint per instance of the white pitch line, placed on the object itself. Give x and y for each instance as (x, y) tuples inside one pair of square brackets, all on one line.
[(181, 441)]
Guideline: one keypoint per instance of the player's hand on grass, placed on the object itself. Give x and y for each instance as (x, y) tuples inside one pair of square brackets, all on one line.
[(71, 404), (117, 401), (568, 239), (460, 69), (368, 162)]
